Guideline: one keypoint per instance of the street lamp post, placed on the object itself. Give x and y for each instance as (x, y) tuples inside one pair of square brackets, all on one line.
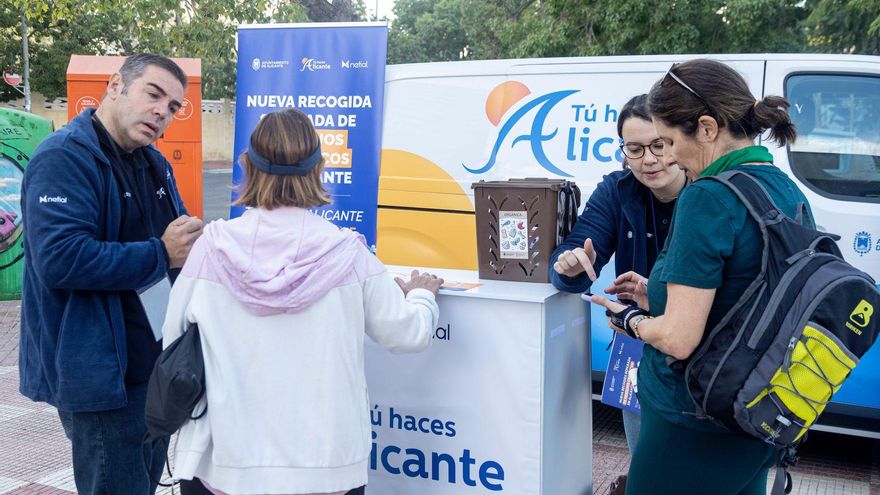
[(27, 69)]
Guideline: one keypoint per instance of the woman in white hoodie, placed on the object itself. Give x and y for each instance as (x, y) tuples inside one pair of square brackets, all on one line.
[(283, 300)]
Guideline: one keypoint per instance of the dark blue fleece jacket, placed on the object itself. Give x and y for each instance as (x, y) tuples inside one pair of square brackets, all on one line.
[(614, 218), (72, 352)]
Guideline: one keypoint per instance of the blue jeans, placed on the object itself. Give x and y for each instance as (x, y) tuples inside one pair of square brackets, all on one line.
[(108, 458), (632, 423)]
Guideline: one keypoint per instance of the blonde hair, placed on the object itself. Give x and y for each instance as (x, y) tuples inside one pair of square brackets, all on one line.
[(283, 137)]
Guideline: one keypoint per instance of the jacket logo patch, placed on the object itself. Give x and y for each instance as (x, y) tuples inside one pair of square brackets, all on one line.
[(127, 194), (53, 199), (160, 192)]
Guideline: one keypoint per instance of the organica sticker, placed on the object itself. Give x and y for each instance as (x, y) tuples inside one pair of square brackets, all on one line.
[(512, 226)]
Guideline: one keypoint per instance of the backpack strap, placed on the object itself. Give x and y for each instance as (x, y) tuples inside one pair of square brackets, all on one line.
[(782, 483), (752, 194), (787, 457), (803, 215)]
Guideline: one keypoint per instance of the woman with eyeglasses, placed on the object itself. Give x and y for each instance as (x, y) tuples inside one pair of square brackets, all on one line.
[(628, 215), (708, 119)]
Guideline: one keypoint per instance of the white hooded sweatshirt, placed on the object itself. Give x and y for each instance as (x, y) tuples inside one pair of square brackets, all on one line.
[(283, 300)]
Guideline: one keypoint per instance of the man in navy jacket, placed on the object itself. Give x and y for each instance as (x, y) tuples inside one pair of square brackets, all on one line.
[(102, 219)]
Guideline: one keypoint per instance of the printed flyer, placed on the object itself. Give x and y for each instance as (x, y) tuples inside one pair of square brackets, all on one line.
[(619, 389)]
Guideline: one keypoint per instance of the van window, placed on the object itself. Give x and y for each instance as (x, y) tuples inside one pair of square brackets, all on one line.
[(837, 152)]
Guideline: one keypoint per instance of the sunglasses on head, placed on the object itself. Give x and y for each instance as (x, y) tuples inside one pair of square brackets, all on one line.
[(674, 77)]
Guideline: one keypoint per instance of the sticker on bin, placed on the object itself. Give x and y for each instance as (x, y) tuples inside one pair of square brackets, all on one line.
[(514, 234)]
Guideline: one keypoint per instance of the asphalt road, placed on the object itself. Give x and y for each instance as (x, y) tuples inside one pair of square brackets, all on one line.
[(216, 190)]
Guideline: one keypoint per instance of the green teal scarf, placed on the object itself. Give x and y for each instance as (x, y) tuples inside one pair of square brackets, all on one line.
[(749, 154)]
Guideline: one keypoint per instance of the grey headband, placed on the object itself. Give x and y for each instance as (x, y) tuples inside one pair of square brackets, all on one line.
[(299, 168)]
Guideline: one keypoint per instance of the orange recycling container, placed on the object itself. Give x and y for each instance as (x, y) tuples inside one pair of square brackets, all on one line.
[(87, 78)]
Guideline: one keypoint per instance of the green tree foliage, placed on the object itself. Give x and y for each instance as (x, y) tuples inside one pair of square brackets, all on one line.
[(845, 26), (334, 11), (765, 26), (431, 30), (203, 29), (480, 29), (10, 47), (426, 30)]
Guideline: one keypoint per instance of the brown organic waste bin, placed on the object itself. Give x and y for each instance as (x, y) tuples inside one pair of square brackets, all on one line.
[(519, 223)]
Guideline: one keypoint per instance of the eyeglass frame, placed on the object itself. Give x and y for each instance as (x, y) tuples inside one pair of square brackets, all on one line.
[(684, 85), (644, 147)]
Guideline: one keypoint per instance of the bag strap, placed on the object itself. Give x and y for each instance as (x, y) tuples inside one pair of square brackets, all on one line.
[(752, 194), (758, 202), (782, 483), (571, 209), (788, 457), (571, 200), (803, 215), (147, 443)]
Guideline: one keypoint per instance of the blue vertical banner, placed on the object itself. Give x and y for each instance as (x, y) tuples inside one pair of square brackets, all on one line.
[(335, 74)]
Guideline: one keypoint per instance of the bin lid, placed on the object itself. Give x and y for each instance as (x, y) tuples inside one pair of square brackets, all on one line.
[(533, 183), (98, 67)]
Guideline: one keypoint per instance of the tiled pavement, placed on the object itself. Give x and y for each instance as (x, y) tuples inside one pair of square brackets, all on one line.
[(35, 455), (829, 464)]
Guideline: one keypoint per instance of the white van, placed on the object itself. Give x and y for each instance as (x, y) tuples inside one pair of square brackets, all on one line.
[(447, 125)]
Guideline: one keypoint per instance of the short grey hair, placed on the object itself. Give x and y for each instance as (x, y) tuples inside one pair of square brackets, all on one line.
[(135, 66)]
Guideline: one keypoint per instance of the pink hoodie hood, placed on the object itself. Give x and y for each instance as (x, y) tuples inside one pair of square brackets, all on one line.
[(281, 260)]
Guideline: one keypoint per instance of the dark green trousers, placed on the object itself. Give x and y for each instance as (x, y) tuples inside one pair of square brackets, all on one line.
[(670, 459)]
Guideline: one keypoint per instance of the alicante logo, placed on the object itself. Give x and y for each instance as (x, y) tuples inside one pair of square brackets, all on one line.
[(862, 243), (313, 64), (860, 316), (500, 100)]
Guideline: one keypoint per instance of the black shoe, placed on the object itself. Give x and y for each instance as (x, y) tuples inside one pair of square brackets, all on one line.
[(618, 486)]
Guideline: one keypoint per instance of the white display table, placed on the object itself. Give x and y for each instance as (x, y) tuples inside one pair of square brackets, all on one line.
[(500, 402)]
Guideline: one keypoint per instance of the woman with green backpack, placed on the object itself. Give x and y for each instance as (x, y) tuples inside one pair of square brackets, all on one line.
[(708, 119)]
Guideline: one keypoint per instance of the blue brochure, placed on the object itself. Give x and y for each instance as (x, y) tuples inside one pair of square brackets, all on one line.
[(619, 389)]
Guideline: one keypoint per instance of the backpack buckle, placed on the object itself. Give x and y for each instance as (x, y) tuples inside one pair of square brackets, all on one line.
[(789, 457)]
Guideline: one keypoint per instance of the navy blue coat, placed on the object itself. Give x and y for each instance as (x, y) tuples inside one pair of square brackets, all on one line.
[(72, 352), (614, 218)]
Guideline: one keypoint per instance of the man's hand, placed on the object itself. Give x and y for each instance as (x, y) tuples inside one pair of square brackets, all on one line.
[(420, 281), (630, 286), (179, 237), (579, 260)]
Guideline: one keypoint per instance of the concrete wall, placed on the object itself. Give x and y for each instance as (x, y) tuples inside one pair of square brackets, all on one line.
[(218, 126), (218, 122)]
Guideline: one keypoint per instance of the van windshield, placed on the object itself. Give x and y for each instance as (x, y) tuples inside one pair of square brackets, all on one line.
[(837, 152)]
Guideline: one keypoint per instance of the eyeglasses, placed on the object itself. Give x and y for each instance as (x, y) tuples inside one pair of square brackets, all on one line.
[(684, 85), (635, 151)]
